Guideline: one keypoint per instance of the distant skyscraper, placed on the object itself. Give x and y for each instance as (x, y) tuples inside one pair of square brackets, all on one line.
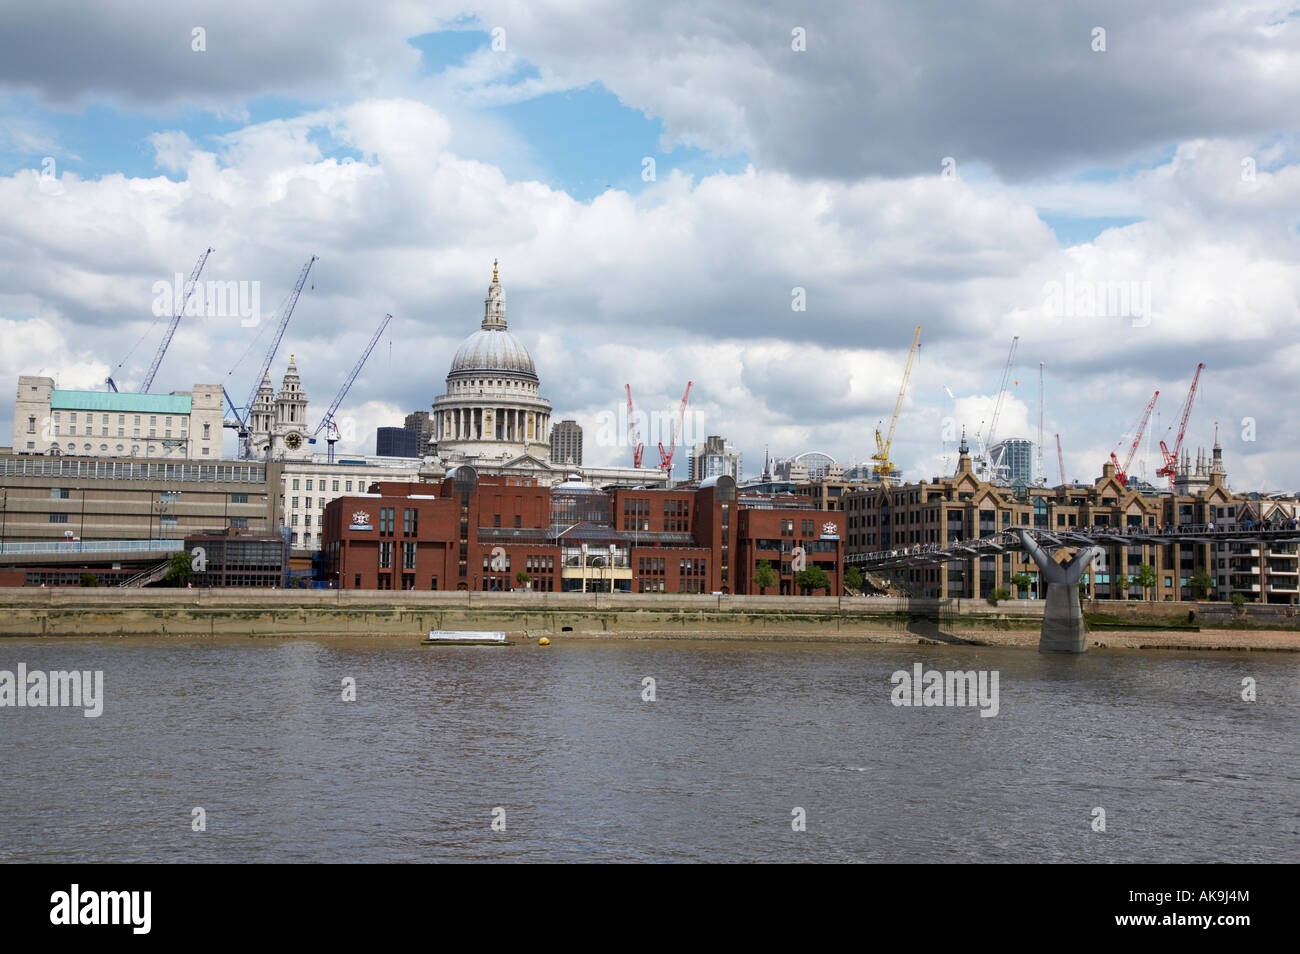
[(397, 442), (422, 424), (713, 458), (566, 443)]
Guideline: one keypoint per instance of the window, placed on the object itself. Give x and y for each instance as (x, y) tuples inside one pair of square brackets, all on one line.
[(308, 499), (349, 486), (207, 431), (385, 554), (336, 486), (58, 518), (240, 522), (295, 486), (309, 488), (31, 425), (60, 493), (167, 520), (239, 498), (306, 520)]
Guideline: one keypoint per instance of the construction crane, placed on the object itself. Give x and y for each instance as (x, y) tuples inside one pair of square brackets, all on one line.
[(884, 465), (244, 412), (190, 287), (1171, 457), (666, 457), (1060, 459), (638, 446), (1121, 472), (186, 294), (327, 422), (986, 440)]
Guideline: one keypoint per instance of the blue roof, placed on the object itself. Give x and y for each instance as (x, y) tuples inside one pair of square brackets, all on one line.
[(61, 400)]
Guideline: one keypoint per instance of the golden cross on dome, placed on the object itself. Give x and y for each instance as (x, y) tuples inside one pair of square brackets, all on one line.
[(494, 269)]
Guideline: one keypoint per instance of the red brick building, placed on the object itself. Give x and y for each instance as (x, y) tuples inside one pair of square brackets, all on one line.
[(474, 532)]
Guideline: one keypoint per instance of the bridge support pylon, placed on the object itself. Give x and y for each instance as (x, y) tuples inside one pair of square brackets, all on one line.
[(1063, 628)]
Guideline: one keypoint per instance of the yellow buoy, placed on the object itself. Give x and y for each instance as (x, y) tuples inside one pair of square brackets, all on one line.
[(543, 642)]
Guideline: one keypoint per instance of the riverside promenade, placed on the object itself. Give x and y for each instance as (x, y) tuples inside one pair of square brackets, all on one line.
[(28, 611)]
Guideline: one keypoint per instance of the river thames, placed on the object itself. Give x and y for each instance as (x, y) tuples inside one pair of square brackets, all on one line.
[(256, 733)]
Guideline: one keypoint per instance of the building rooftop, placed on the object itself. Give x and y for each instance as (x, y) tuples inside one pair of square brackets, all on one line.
[(61, 400)]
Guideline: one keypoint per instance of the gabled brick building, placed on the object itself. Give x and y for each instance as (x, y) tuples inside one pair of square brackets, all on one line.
[(474, 532)]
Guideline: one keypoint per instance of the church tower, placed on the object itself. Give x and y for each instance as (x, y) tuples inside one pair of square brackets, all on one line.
[(289, 429), (261, 417)]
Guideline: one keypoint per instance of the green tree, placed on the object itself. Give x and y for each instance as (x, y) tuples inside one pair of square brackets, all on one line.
[(1022, 582), (996, 595), (179, 569), (853, 578), (765, 576), (1202, 583), (812, 578), (1146, 578), (1123, 583), (523, 579), (89, 579), (1238, 600)]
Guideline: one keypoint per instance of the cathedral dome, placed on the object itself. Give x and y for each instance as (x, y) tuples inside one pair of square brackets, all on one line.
[(491, 350)]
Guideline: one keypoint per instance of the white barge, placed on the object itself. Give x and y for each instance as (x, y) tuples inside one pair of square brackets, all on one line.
[(447, 637)]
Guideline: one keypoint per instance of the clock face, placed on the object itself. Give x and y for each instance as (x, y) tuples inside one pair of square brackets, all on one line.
[(294, 441)]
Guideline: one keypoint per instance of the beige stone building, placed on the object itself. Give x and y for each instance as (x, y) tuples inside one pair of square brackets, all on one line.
[(183, 425), (963, 507)]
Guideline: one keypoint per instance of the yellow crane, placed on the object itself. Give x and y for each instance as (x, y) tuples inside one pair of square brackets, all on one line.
[(884, 466)]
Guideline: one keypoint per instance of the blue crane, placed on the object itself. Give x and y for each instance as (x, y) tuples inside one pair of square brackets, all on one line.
[(186, 295), (327, 422), (243, 413)]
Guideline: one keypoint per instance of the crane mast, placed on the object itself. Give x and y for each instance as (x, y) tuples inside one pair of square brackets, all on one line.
[(666, 457), (327, 422), (1121, 473), (286, 312), (1170, 467), (638, 447), (186, 294), (884, 465), (1060, 459)]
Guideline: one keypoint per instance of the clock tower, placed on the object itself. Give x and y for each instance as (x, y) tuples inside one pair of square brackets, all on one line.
[(289, 435)]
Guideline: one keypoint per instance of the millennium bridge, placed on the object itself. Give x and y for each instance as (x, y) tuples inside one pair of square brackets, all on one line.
[(1063, 627)]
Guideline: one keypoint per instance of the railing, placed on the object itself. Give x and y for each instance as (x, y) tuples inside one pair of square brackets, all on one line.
[(129, 469), (95, 546)]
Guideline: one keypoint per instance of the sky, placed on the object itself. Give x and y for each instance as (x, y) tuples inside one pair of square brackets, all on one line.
[(763, 199)]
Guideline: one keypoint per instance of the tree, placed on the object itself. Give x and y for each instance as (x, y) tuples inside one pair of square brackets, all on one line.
[(89, 579), (179, 569), (1146, 578), (1022, 582), (1123, 583), (996, 595), (765, 576), (1202, 583), (812, 578), (853, 578), (523, 579)]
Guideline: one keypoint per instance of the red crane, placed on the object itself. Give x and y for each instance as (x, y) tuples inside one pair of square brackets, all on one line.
[(666, 457), (638, 447), (1171, 457), (1060, 459), (1121, 473)]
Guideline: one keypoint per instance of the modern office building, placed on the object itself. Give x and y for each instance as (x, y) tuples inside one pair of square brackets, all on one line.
[(183, 425), (713, 458), (566, 443), (422, 424), (397, 442)]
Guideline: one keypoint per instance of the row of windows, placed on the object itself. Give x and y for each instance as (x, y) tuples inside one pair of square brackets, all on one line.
[(103, 448)]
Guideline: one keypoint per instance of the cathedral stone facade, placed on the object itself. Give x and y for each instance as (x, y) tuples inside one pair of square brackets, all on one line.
[(278, 427)]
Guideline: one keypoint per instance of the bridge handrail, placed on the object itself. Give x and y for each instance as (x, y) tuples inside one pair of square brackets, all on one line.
[(93, 546)]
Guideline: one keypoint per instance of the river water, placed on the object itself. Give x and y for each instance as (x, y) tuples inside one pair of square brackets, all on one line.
[(256, 733)]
